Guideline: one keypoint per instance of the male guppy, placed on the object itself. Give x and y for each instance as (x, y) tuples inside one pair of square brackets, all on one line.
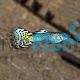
[(23, 38)]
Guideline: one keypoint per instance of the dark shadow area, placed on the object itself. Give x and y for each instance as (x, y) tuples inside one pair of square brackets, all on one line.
[(36, 7), (48, 17), (71, 59), (22, 2)]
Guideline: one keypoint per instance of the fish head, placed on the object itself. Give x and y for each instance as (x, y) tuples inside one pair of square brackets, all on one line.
[(65, 36)]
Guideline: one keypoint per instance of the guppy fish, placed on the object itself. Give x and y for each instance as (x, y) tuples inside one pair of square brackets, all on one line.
[(23, 38)]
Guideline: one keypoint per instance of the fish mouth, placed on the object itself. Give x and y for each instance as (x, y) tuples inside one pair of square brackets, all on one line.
[(66, 37)]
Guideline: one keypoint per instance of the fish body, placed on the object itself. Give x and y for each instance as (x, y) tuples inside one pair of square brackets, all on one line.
[(23, 38)]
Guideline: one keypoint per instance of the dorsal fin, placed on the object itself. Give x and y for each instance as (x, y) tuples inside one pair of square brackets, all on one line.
[(41, 31)]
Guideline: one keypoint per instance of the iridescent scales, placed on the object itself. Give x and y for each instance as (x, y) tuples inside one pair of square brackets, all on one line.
[(24, 38)]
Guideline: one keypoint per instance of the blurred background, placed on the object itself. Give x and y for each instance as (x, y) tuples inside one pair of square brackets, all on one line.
[(33, 15)]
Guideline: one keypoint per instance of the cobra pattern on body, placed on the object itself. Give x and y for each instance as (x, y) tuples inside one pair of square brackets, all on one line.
[(23, 38)]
